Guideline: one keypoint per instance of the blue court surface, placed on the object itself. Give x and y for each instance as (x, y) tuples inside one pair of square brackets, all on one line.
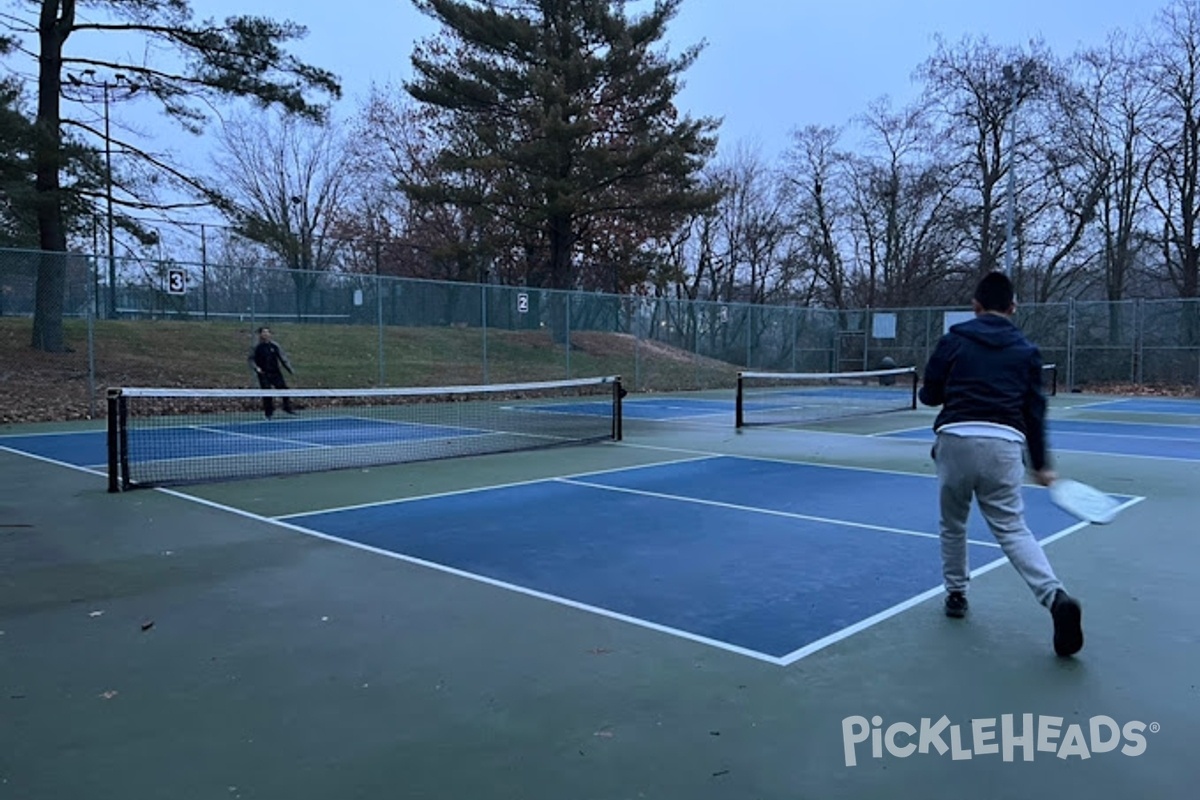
[(1111, 438), (90, 449), (666, 409), (1145, 405), (767, 558), (658, 409)]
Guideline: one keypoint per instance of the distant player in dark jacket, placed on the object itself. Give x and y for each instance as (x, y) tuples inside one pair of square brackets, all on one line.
[(987, 377), (268, 360)]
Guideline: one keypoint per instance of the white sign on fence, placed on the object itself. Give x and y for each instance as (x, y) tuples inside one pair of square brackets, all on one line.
[(523, 303), (176, 281), (883, 326), (955, 317)]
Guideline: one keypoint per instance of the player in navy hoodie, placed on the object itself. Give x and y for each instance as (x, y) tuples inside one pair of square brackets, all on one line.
[(987, 377)]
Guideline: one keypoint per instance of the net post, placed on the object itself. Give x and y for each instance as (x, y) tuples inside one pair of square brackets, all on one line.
[(113, 477), (617, 409), (739, 419), (123, 438), (916, 380)]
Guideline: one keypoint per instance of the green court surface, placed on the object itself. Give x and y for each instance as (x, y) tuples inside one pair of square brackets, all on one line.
[(209, 642)]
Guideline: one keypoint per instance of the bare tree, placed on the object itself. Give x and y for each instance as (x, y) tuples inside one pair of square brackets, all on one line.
[(1062, 185), (394, 144), (1173, 173), (1113, 103), (753, 226), (818, 202), (901, 196), (975, 89), (288, 179), (243, 56)]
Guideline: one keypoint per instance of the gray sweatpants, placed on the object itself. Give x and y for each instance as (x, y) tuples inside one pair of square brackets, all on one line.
[(991, 471)]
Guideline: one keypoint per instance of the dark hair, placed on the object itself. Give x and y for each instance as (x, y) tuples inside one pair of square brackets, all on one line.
[(995, 292), (263, 328)]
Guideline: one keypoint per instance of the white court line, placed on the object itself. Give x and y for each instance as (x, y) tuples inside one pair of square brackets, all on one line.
[(233, 434), (485, 580), (412, 424), (766, 511), (89, 470), (901, 430), (886, 614), (38, 434), (1060, 449), (1118, 422), (1070, 432), (474, 490), (715, 414), (1115, 435), (771, 460)]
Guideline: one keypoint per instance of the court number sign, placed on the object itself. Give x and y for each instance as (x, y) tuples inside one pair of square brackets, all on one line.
[(176, 281), (522, 303)]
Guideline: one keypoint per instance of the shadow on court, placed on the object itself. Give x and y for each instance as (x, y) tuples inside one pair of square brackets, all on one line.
[(692, 612)]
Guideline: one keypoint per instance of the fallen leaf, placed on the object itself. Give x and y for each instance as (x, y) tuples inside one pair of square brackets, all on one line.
[(603, 734), (109, 695), (147, 625), (96, 614)]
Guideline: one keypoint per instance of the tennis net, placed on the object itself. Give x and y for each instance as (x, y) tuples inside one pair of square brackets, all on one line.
[(781, 398), (163, 436)]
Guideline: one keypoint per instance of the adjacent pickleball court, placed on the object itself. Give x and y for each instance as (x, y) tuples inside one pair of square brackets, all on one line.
[(1145, 405), (1144, 440)]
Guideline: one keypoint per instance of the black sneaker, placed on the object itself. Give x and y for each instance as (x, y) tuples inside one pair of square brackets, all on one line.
[(1068, 631), (956, 604)]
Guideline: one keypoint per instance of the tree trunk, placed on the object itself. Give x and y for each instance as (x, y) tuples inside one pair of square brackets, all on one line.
[(53, 30)]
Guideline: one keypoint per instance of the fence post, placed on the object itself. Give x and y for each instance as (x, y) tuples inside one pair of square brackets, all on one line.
[(866, 331), (795, 334), (91, 342), (749, 327), (1071, 344), (483, 309), (379, 312), (1139, 317), (204, 267)]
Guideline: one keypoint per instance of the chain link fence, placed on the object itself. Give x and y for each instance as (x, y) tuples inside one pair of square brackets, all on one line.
[(489, 333)]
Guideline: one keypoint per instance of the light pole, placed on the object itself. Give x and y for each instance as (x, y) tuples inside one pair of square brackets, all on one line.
[(1016, 83), (106, 85)]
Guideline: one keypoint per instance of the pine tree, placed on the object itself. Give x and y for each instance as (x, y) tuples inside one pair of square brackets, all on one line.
[(559, 116), (240, 57)]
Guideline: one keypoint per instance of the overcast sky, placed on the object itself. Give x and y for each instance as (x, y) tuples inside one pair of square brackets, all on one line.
[(769, 65)]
